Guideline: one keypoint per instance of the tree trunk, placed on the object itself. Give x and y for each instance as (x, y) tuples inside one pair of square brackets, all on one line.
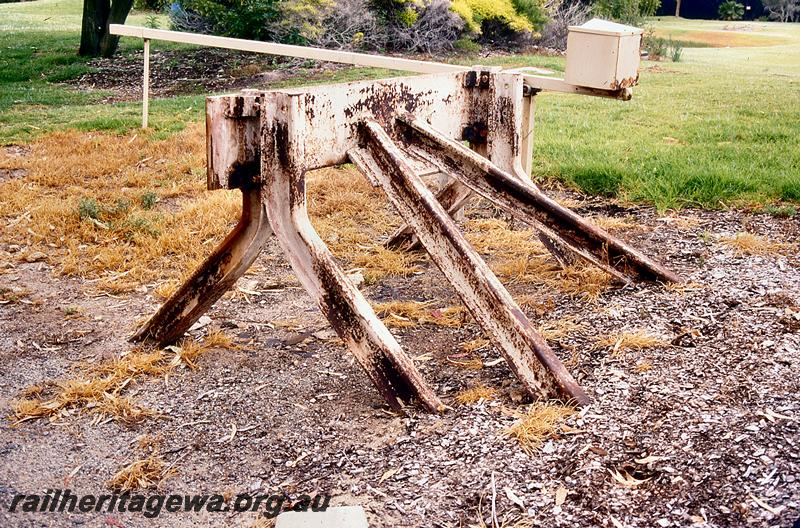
[(97, 15), (678, 8), (119, 12)]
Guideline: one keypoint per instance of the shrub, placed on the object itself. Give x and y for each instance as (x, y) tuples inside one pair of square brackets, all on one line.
[(436, 28), (249, 19), (352, 25), (570, 13), (301, 21), (389, 24), (150, 5), (410, 25), (148, 200), (782, 10), (780, 211), (676, 51), (731, 10), (505, 22), (151, 22), (627, 11), (655, 46), (534, 10), (182, 19), (466, 45), (501, 12), (88, 208)]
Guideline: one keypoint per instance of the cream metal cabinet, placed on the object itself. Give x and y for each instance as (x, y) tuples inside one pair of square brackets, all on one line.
[(603, 54)]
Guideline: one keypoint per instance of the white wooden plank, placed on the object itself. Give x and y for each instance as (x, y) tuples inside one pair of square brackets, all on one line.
[(288, 50), (146, 83)]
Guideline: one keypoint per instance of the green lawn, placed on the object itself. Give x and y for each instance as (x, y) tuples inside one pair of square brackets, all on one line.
[(719, 128)]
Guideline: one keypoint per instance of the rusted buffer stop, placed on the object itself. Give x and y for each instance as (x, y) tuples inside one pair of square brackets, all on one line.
[(397, 132)]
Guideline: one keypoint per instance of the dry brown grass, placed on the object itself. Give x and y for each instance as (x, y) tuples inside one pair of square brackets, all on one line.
[(750, 244), (476, 394), (400, 314), (517, 256), (644, 366), (683, 287), (98, 389), (262, 522), (535, 303), (474, 363), (635, 340), (82, 203), (682, 223), (166, 289), (506, 522), (378, 262), (474, 345), (141, 474), (539, 423), (87, 201), (351, 216), (559, 328), (219, 339), (93, 395), (582, 281), (12, 295), (189, 351)]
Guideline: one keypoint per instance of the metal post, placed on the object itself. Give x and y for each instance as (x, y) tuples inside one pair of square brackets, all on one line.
[(526, 142), (146, 83)]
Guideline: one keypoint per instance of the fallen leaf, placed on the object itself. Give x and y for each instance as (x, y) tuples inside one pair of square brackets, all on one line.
[(561, 495), (514, 498), (627, 480), (388, 474), (773, 511), (598, 450)]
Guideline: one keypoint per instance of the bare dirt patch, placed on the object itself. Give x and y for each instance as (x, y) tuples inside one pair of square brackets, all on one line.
[(733, 37), (700, 426), (203, 70), (11, 152)]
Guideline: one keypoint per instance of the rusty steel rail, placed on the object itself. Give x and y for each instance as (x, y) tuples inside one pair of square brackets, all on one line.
[(394, 131), (527, 203), (526, 353)]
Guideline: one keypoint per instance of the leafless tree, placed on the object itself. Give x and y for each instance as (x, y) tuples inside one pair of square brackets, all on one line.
[(783, 10), (352, 25), (568, 13)]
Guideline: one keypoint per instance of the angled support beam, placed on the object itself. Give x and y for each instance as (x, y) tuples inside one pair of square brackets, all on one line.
[(214, 277), (453, 197), (527, 203), (349, 313), (527, 354), (564, 251)]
